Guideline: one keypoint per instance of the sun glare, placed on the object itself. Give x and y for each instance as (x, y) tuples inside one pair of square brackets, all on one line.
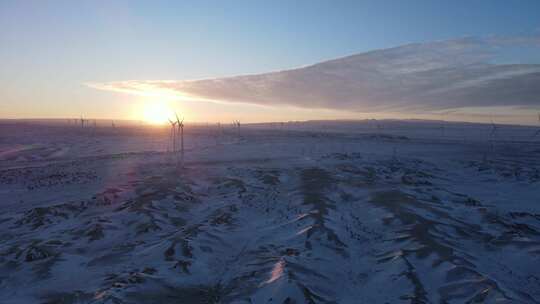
[(156, 113)]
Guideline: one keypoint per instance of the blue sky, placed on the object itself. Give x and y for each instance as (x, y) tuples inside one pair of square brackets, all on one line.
[(49, 49)]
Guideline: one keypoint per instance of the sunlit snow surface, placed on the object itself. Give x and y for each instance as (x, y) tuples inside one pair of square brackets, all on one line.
[(318, 212)]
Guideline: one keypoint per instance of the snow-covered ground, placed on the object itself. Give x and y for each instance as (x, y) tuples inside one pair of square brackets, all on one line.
[(313, 212)]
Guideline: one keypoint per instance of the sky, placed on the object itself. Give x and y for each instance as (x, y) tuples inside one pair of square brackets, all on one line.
[(53, 53)]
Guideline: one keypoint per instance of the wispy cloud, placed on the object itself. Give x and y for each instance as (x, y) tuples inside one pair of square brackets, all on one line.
[(416, 77)]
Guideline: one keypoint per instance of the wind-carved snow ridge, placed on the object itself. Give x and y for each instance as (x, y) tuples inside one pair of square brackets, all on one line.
[(418, 77), (356, 218)]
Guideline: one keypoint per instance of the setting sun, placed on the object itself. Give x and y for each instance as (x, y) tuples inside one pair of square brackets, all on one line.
[(156, 113)]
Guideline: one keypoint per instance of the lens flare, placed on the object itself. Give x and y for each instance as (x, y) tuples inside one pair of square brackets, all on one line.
[(156, 113)]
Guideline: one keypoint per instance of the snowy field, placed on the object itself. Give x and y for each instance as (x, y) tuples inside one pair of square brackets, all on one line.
[(313, 212)]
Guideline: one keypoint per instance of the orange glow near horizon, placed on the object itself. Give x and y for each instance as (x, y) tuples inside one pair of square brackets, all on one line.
[(156, 113)]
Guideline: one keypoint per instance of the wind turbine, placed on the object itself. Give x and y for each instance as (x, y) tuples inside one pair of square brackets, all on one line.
[(180, 124), (94, 125), (173, 135), (494, 128), (236, 123), (443, 125)]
